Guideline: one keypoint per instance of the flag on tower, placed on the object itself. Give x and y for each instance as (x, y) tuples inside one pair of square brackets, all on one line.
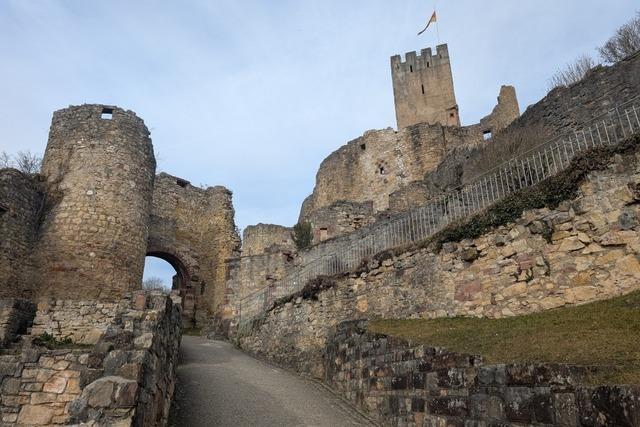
[(432, 19)]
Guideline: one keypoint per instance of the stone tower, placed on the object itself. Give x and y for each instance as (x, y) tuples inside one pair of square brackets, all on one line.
[(99, 171), (423, 88)]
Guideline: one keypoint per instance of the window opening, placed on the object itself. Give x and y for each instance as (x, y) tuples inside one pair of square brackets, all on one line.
[(107, 114)]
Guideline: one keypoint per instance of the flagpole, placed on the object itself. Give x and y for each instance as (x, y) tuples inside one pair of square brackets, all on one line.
[(437, 26)]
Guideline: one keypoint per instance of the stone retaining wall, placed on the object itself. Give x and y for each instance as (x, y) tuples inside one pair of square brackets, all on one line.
[(405, 384), (126, 378), (585, 250)]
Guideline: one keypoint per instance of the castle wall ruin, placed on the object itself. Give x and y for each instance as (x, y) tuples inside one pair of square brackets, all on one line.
[(20, 204), (99, 170), (266, 238), (584, 250), (193, 229), (602, 89)]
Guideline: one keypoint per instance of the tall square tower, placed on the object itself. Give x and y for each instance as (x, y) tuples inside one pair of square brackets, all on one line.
[(423, 88)]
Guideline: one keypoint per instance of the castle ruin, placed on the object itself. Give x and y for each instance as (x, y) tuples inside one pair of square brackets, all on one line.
[(74, 239)]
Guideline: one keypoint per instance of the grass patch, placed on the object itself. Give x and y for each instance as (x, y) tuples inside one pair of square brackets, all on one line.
[(603, 334), (49, 341)]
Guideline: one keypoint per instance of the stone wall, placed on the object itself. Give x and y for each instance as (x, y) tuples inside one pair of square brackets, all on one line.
[(262, 238), (16, 316), (125, 379), (193, 229), (423, 88), (400, 383), (20, 202), (504, 113), (585, 250), (380, 162), (99, 170), (84, 322), (560, 111), (340, 218)]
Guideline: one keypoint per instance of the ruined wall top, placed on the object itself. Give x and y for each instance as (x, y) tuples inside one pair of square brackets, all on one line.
[(262, 238)]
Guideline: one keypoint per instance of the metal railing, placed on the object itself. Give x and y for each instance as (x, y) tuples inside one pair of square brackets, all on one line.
[(522, 171)]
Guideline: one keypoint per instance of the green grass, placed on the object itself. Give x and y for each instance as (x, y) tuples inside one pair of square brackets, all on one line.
[(601, 334)]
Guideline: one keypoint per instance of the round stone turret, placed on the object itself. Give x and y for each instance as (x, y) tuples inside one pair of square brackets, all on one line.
[(99, 170)]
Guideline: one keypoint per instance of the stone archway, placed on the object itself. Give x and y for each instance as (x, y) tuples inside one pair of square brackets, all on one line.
[(186, 281)]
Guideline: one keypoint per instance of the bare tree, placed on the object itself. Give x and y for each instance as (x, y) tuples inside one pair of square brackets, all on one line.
[(624, 42), (5, 160), (153, 283), (572, 73), (25, 161), (28, 162)]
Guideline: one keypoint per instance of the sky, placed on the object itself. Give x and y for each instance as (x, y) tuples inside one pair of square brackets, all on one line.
[(254, 94)]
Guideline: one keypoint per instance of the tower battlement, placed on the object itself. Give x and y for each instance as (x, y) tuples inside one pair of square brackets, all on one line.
[(426, 59), (423, 88)]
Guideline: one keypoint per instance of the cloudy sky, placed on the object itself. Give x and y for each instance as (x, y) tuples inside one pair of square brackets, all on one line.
[(253, 95)]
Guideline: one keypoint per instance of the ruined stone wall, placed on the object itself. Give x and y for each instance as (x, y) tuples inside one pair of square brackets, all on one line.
[(261, 238), (423, 88), (504, 113), (20, 202), (400, 383), (380, 162), (126, 378), (16, 316), (562, 110), (193, 229), (340, 218), (84, 322), (585, 250), (99, 169)]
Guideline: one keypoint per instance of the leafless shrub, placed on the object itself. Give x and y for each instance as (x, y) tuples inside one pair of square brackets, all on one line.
[(28, 162), (25, 161), (623, 43), (153, 283), (572, 72), (5, 160)]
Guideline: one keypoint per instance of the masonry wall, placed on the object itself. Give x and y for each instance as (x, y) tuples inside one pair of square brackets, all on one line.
[(125, 378), (562, 110), (380, 162), (262, 238), (423, 88), (339, 219), (20, 202), (400, 383), (16, 316), (99, 175), (504, 113), (585, 250), (194, 230)]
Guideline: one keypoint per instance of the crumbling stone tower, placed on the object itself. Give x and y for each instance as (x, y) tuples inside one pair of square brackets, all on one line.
[(423, 88), (99, 171)]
